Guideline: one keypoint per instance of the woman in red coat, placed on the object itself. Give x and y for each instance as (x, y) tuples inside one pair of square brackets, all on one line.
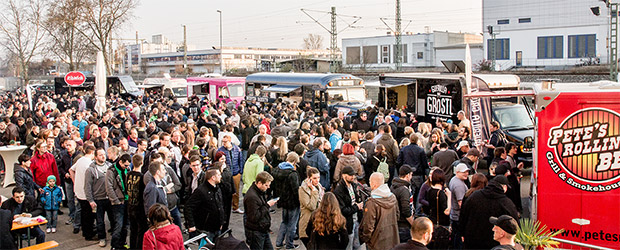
[(163, 234), (43, 164)]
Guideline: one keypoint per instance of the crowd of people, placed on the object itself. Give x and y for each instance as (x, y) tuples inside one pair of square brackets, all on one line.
[(159, 169)]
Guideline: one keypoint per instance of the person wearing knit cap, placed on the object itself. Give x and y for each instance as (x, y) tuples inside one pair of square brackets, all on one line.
[(51, 198)]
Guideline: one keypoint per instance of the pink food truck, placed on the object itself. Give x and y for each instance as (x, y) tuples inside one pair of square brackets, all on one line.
[(225, 89)]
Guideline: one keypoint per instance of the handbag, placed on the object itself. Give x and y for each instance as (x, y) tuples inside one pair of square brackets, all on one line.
[(441, 234)]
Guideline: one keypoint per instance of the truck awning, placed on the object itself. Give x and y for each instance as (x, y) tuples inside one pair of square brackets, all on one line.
[(501, 93), (283, 89)]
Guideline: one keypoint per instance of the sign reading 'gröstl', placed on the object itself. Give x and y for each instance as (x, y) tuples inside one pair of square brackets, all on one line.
[(75, 78), (587, 150)]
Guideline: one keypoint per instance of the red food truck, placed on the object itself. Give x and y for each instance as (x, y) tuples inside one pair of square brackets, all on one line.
[(576, 173)]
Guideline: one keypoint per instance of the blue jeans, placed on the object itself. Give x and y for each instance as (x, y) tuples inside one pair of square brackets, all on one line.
[(52, 218), (258, 240), (70, 199), (176, 216), (354, 238), (288, 227), (103, 207), (77, 218), (119, 231)]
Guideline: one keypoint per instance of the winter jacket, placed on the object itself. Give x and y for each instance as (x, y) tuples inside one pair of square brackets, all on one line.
[(153, 193), (317, 159), (347, 208), (286, 185), (234, 159), (64, 164), (402, 190), (24, 179), (391, 148), (30, 205), (257, 217), (479, 206), (334, 138), (189, 179), (414, 156), (6, 237), (253, 166), (135, 193), (171, 177), (43, 166), (205, 208), (348, 160), (280, 130), (410, 245), (246, 137), (116, 185), (309, 202), (165, 238), (94, 184), (51, 198), (358, 124), (379, 227)]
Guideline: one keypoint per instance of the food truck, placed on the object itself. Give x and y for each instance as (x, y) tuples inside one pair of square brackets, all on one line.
[(225, 89), (123, 85), (576, 172)]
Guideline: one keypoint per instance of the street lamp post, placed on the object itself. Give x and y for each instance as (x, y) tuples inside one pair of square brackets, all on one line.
[(221, 54)]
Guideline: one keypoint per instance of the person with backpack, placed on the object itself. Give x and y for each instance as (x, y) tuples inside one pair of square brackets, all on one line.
[(497, 139), (377, 163)]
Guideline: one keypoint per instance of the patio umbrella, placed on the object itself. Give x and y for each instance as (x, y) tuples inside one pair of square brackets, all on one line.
[(100, 84)]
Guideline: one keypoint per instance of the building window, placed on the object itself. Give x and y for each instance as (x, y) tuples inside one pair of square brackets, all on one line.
[(420, 55), (370, 54), (238, 56), (403, 53), (385, 54), (503, 21), (581, 46), (502, 51), (550, 47), (353, 55), (525, 20)]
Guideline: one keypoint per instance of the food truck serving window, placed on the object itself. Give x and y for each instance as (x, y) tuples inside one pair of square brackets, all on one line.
[(235, 90)]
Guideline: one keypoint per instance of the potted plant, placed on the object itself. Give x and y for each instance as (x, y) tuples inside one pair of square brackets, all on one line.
[(532, 235)]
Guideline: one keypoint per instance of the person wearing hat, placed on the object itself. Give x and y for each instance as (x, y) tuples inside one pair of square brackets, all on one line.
[(462, 148), (480, 205), (51, 198), (349, 201), (504, 230)]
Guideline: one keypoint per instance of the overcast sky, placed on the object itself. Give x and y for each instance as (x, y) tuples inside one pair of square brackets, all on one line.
[(281, 23)]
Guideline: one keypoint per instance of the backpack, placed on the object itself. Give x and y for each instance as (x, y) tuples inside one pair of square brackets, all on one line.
[(383, 168)]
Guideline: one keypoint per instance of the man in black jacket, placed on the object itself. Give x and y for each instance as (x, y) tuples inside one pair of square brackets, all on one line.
[(257, 220), (348, 200), (20, 204), (205, 209), (362, 123), (482, 204), (286, 187), (401, 188)]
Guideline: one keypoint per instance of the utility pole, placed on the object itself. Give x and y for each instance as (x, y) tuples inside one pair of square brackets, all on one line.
[(185, 49), (492, 46), (333, 43), (613, 41), (398, 51), (221, 55), (333, 49)]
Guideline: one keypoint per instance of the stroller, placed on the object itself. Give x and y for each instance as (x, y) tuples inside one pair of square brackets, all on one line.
[(223, 241)]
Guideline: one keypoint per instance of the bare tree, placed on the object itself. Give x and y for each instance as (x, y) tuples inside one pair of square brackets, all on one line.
[(103, 18), (313, 42), (21, 28), (66, 42)]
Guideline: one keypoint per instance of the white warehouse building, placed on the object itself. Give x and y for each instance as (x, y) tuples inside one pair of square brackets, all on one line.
[(551, 34), (419, 50)]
